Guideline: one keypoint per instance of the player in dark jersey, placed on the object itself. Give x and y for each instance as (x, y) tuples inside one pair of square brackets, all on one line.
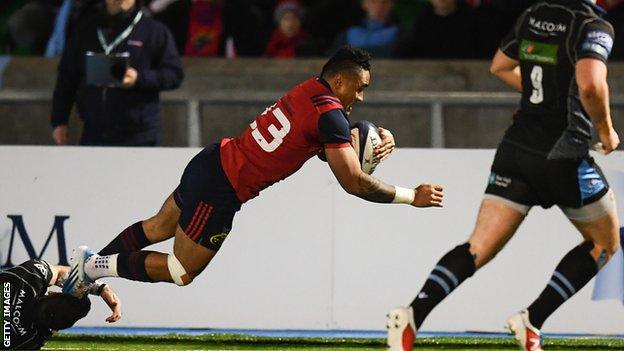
[(29, 316), (308, 120), (556, 56)]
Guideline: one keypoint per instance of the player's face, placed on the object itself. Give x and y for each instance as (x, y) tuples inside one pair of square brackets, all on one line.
[(351, 88)]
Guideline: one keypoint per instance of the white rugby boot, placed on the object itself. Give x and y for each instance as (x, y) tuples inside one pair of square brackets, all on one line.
[(529, 338), (77, 282), (401, 329)]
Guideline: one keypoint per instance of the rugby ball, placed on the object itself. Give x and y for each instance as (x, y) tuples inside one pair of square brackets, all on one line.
[(364, 139)]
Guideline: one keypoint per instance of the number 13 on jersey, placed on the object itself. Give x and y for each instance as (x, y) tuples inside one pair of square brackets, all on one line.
[(277, 134)]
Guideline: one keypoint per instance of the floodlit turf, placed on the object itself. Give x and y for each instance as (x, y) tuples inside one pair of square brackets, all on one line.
[(242, 342)]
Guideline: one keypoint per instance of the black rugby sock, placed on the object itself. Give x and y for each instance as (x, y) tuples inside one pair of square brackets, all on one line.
[(131, 265), (575, 270), (131, 239), (455, 267)]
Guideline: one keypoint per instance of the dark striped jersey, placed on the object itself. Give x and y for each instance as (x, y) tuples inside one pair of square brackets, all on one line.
[(279, 141), (548, 40), (21, 286)]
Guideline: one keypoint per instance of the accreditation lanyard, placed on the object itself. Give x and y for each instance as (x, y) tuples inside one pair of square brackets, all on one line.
[(108, 48)]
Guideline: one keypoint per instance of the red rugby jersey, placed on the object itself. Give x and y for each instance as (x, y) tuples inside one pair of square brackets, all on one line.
[(279, 141)]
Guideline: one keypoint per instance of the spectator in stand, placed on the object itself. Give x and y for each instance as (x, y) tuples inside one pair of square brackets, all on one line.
[(616, 17), (68, 15), (205, 33), (7, 8), (126, 114), (289, 39), (56, 43), (446, 29), (376, 34), (30, 26)]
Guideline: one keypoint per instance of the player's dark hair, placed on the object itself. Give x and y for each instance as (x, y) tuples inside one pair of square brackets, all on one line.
[(60, 311), (347, 58)]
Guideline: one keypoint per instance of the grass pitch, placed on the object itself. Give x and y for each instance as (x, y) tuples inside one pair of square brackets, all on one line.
[(243, 342)]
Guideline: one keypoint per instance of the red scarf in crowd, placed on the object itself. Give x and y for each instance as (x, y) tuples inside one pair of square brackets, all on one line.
[(205, 29)]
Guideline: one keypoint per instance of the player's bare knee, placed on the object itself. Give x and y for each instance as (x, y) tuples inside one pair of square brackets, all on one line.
[(178, 273), (150, 225)]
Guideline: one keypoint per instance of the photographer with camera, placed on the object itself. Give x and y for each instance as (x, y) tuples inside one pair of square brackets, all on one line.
[(114, 65)]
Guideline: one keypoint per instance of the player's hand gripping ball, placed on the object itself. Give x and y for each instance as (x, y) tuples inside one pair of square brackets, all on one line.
[(364, 139)]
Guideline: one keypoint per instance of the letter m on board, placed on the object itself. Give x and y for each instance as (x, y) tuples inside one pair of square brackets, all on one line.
[(20, 229)]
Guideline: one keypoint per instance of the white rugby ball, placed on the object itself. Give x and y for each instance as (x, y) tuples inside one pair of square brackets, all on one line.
[(364, 139)]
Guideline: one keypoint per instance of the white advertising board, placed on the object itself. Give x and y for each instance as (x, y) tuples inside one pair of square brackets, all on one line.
[(304, 255)]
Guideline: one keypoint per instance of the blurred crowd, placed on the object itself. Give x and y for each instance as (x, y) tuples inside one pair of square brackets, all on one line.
[(453, 29)]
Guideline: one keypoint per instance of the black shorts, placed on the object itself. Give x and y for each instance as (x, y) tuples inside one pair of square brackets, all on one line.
[(531, 179), (207, 199)]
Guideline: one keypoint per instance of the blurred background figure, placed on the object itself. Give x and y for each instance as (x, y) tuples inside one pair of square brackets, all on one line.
[(615, 16), (126, 113), (376, 33), (175, 15), (289, 39), (446, 29), (7, 8), (27, 25), (67, 17), (56, 43), (405, 12)]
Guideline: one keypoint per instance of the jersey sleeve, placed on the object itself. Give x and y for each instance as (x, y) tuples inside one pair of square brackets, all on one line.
[(334, 131), (596, 41), (510, 43), (35, 272)]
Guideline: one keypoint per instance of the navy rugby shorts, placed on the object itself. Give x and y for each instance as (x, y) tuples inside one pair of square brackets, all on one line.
[(530, 179), (207, 199)]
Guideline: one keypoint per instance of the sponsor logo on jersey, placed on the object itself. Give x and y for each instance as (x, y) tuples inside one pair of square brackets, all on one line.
[(6, 314), (218, 239), (538, 52), (17, 313), (497, 180), (42, 269), (546, 27)]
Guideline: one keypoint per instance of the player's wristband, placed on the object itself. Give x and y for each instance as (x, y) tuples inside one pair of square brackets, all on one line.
[(97, 288), (403, 195)]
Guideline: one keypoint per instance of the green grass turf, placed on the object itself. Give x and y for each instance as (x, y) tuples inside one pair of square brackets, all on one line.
[(242, 342)]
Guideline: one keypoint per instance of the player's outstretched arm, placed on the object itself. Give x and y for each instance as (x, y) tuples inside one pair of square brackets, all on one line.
[(113, 302), (59, 275), (591, 77), (507, 70), (346, 167)]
